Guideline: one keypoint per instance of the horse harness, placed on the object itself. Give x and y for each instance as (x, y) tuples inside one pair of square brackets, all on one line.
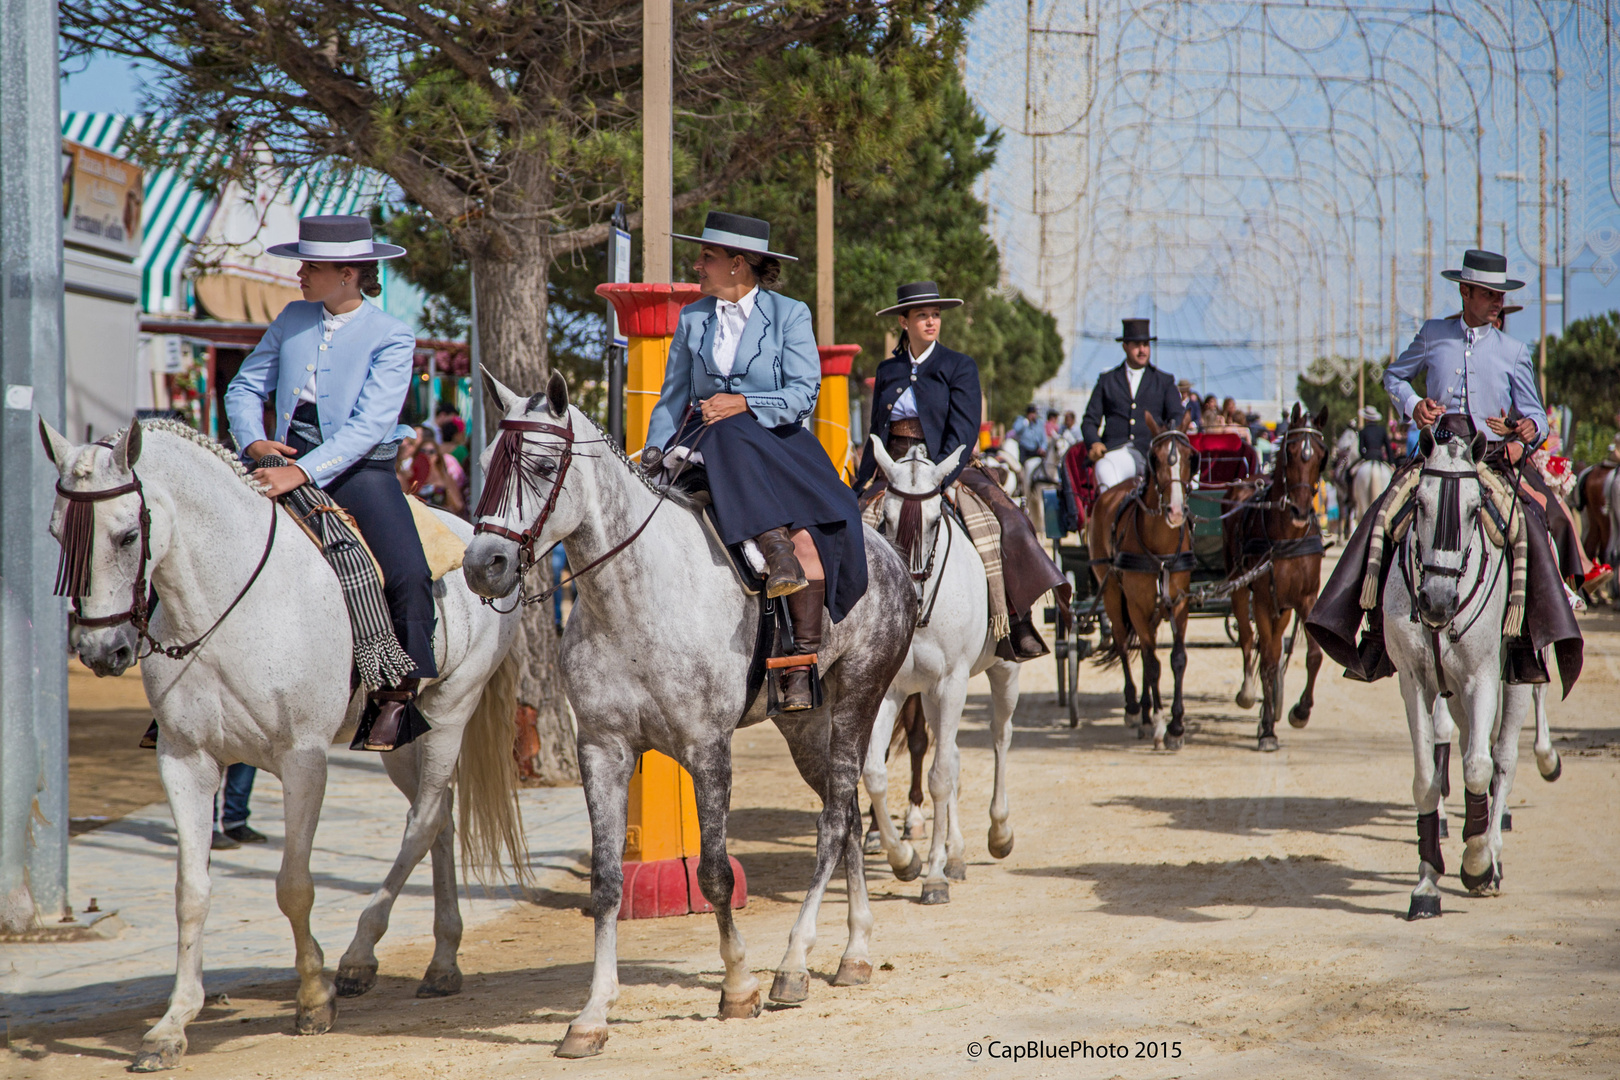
[(1271, 550), (73, 568), (907, 538), (1147, 562)]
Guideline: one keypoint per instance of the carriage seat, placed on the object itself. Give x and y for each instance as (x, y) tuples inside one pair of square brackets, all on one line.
[(1224, 458)]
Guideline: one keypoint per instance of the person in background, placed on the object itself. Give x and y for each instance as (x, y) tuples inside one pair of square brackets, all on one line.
[(430, 477), (1211, 407), (1190, 401), (446, 419), (1030, 435), (1052, 426), (1116, 425), (1373, 440), (1071, 426), (231, 829)]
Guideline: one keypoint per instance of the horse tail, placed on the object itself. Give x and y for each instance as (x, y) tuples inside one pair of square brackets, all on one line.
[(490, 826), (1118, 649)]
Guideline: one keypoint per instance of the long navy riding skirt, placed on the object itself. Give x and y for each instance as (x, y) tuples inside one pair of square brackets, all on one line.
[(763, 478)]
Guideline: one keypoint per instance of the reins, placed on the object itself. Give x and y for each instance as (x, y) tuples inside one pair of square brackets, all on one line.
[(73, 571), (908, 532)]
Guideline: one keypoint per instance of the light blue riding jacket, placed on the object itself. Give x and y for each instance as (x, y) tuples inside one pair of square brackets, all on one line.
[(361, 377), (1481, 378), (777, 369)]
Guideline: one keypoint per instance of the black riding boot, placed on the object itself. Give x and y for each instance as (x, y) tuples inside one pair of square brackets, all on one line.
[(1026, 640), (1522, 666), (807, 608), (784, 575), (1374, 659), (391, 718)]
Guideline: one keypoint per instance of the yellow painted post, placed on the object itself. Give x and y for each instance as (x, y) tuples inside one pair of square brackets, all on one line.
[(831, 418), (663, 821)]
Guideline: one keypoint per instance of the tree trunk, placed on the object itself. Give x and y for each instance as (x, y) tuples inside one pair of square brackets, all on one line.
[(511, 278)]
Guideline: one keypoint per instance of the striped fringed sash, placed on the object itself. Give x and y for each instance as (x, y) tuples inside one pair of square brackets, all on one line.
[(985, 532), (377, 654)]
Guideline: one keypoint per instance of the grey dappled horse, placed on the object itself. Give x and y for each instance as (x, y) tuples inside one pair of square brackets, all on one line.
[(656, 656), (1444, 604), (270, 687)]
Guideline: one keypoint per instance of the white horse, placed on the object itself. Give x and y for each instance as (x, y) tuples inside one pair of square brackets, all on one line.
[(951, 644), (1368, 479), (1443, 624), (270, 686)]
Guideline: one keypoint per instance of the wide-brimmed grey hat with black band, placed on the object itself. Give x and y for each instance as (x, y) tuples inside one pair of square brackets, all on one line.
[(737, 233), (336, 238), (1483, 268), (919, 294)]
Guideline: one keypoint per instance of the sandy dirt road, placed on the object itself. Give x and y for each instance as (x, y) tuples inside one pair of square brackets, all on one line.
[(1242, 910)]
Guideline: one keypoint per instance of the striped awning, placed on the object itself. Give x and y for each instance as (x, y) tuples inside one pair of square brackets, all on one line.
[(176, 215)]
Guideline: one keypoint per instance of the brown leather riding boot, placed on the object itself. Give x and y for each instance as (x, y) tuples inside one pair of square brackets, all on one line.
[(807, 606), (387, 728), (1026, 640), (149, 740), (784, 575)]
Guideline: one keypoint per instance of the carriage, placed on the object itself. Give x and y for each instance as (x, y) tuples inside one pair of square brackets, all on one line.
[(1078, 628)]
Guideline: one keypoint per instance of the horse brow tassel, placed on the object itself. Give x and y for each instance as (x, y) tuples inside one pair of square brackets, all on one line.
[(503, 464), (908, 534), (73, 568)]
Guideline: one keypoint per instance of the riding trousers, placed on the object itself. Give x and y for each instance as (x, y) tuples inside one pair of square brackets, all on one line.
[(370, 492), (1119, 465)]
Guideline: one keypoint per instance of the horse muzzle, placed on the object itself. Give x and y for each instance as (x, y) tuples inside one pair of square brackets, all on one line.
[(490, 566), (1437, 602), (108, 651)]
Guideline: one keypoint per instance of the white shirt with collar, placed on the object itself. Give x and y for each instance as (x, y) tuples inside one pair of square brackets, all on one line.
[(905, 406), (1133, 375), (731, 321), (330, 323)]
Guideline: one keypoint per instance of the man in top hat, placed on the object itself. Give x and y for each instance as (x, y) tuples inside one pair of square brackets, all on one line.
[(928, 394), (1121, 402), (1476, 378)]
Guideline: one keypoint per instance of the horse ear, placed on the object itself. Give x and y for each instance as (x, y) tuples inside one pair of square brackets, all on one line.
[(493, 387), (1321, 421), (885, 462), (1154, 427), (128, 449), (1426, 441), (57, 448), (948, 466), (1186, 421), (1477, 446), (557, 393)]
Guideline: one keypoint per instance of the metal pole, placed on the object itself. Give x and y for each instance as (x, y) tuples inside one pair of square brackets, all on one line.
[(1541, 264), (33, 623), (657, 139), (616, 358), (475, 424)]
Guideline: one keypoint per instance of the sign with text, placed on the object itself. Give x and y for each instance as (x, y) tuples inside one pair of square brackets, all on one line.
[(621, 274), (101, 201)]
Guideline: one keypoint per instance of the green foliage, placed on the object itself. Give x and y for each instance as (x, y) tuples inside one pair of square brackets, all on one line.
[(1331, 382), (1591, 442), (1583, 369), (1017, 346)]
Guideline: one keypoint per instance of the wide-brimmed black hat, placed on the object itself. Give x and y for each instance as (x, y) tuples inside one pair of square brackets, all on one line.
[(737, 233), (336, 238), (919, 294), (1484, 268), (1135, 330)]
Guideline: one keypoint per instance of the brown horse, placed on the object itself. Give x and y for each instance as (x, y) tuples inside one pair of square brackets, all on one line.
[(1141, 552), (1275, 541), (1595, 505)]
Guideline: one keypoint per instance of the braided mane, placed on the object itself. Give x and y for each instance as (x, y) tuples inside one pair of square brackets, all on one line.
[(190, 434)]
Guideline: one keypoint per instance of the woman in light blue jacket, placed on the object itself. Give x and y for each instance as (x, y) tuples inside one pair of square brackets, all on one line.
[(336, 370), (741, 380)]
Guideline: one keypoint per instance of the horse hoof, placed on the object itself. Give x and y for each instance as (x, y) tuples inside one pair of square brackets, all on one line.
[(1507, 821), (1245, 701), (873, 844), (910, 871), (853, 973), (936, 892), (1142, 731), (354, 981), (788, 988), (1445, 830), (1268, 744), (317, 1021), (1298, 719), (1557, 770), (163, 1056), (582, 1042), (1000, 849), (1480, 884), (440, 984), (1174, 742), (1423, 907)]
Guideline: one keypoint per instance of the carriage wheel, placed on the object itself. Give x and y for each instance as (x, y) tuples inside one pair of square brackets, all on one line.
[(1231, 628), (1060, 651), (1075, 650)]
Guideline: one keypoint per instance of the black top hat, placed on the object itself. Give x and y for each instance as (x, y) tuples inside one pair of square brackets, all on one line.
[(737, 233), (1135, 330), (919, 294), (336, 238), (1484, 268)]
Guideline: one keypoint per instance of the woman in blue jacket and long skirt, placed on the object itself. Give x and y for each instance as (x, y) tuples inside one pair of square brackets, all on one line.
[(742, 377), (336, 369)]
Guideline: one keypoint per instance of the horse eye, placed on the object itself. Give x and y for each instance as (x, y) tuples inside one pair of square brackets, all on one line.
[(545, 468), (128, 539)]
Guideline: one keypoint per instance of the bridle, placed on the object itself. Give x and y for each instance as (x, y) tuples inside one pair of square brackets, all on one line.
[(1280, 470), (507, 466), (73, 569), (907, 538), (1184, 443)]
